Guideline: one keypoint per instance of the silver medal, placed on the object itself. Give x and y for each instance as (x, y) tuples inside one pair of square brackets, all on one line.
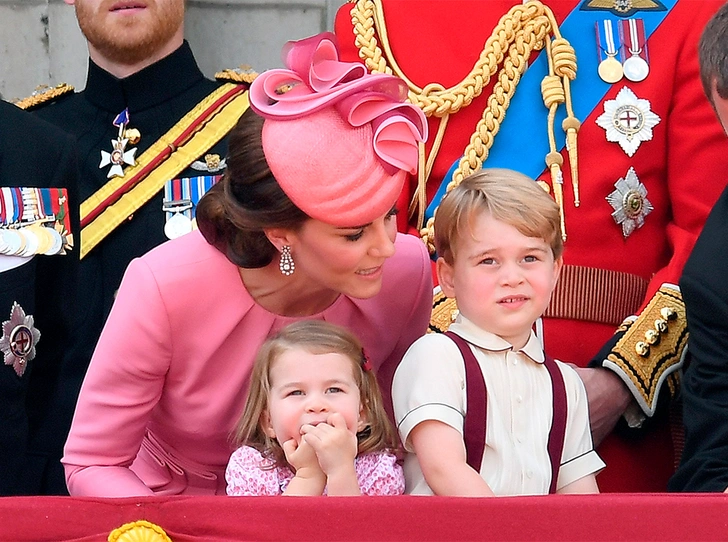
[(177, 225)]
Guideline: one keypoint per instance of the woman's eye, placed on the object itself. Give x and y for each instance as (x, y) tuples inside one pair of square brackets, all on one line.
[(392, 213), (355, 236)]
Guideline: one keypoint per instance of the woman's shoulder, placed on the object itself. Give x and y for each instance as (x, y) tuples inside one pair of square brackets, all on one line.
[(410, 248)]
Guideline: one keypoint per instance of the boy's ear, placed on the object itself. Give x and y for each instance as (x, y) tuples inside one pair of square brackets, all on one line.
[(445, 276), (279, 237), (266, 425)]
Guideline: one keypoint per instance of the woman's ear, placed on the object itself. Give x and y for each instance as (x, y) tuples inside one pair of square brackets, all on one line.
[(279, 237)]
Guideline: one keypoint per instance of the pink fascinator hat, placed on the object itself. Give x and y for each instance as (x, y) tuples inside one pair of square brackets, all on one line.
[(338, 140)]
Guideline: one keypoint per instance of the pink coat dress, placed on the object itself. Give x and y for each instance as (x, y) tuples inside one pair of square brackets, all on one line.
[(169, 376)]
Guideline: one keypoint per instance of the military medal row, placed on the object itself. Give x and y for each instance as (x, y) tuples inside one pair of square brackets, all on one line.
[(34, 221)]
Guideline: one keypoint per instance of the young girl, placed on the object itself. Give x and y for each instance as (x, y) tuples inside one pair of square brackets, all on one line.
[(314, 422)]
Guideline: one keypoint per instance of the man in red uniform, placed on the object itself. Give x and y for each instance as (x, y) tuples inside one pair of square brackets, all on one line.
[(648, 154)]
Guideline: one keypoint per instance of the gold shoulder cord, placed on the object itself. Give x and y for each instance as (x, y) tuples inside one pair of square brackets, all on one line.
[(525, 28)]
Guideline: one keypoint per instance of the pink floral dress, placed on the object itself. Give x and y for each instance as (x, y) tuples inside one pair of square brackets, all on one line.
[(378, 474)]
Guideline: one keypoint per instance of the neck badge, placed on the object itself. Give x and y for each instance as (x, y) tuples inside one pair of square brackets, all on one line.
[(628, 120), (630, 203), (19, 339), (119, 156)]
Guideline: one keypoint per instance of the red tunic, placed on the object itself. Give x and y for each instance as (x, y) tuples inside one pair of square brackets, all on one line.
[(682, 168)]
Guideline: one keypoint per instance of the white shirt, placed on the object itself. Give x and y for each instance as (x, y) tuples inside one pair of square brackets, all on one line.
[(430, 385)]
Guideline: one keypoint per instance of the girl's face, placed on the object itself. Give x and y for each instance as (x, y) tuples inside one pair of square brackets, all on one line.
[(346, 260), (307, 388), (502, 279)]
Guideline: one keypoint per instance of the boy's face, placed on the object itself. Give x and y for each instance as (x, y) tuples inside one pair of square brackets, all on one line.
[(502, 280)]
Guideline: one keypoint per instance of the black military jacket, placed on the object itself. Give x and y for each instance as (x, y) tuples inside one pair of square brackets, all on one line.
[(157, 97), (34, 153)]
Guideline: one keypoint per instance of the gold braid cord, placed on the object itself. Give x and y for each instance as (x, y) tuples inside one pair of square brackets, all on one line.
[(519, 32)]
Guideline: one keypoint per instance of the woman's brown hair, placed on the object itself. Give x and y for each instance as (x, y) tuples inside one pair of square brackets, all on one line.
[(233, 214), (316, 337)]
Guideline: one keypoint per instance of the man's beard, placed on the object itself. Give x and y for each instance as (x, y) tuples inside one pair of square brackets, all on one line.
[(134, 40)]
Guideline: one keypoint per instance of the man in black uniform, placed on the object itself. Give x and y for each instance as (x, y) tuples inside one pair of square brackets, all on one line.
[(151, 132), (38, 267), (704, 285)]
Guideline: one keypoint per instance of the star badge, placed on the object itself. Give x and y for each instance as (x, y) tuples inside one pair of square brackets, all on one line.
[(630, 203), (19, 339), (117, 158), (628, 120)]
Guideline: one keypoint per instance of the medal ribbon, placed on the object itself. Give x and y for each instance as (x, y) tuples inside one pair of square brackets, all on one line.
[(632, 34), (3, 219), (17, 204), (59, 205), (605, 39), (44, 197)]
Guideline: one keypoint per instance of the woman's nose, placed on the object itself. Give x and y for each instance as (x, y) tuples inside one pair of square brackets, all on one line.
[(383, 243)]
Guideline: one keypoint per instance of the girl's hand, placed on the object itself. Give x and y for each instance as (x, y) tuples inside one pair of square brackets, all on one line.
[(309, 478), (335, 445)]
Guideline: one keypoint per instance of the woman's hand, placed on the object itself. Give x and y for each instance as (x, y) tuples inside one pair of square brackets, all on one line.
[(336, 449)]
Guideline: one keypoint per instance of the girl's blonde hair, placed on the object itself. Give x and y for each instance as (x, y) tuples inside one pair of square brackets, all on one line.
[(315, 337), (509, 197)]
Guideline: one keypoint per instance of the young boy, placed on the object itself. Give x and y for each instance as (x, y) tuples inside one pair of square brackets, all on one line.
[(499, 243)]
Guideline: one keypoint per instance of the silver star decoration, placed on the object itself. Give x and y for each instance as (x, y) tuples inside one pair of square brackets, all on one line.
[(630, 203), (117, 158), (628, 120), (19, 339)]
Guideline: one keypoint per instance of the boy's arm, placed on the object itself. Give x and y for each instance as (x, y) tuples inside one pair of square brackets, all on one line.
[(441, 454), (587, 484)]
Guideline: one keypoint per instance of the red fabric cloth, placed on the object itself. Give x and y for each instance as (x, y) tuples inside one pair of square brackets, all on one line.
[(683, 168), (218, 519)]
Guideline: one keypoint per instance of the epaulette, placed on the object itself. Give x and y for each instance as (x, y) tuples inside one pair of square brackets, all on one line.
[(44, 94), (444, 312), (651, 348), (242, 74)]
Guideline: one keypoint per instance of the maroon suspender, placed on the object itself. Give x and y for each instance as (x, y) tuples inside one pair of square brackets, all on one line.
[(558, 424), (475, 416), (474, 429)]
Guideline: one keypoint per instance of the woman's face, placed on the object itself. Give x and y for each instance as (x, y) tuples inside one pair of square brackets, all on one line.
[(346, 260)]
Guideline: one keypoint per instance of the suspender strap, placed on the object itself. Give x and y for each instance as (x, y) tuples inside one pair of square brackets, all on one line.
[(475, 417), (558, 424), (474, 429)]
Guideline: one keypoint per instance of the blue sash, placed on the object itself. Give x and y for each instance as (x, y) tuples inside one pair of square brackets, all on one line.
[(525, 112)]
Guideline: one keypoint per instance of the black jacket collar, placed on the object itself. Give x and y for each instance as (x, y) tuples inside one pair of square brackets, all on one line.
[(147, 88)]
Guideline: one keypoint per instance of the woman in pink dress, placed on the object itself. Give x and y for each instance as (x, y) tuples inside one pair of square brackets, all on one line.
[(301, 227)]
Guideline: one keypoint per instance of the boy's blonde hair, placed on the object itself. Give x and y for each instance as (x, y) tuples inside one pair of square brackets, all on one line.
[(315, 337), (509, 197)]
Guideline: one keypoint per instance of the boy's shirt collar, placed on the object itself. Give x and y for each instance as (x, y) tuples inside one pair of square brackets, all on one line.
[(489, 341)]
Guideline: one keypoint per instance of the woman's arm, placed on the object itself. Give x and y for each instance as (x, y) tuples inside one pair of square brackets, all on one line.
[(123, 385)]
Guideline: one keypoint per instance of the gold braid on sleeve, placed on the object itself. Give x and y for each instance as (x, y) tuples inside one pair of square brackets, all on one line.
[(525, 28)]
